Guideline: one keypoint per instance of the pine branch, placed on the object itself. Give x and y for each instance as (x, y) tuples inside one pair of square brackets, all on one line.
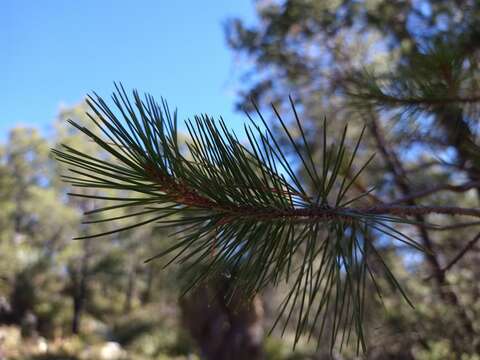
[(435, 79), (240, 209)]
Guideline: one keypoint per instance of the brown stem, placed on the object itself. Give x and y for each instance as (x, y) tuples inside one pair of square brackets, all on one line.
[(415, 210), (181, 193)]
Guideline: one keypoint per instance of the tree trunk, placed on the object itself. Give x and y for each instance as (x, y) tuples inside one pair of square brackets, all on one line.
[(147, 294), (130, 289), (79, 278), (222, 331), (77, 313)]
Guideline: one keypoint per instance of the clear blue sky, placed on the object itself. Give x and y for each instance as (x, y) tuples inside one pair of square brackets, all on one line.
[(54, 52)]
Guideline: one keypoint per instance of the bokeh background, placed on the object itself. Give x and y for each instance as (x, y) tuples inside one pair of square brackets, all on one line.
[(96, 299)]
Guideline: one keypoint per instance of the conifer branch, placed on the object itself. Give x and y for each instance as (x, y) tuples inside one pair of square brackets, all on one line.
[(242, 209)]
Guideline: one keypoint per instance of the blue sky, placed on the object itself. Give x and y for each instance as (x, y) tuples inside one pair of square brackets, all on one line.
[(54, 52)]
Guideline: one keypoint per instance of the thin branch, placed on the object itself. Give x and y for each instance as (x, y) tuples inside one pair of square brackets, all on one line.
[(445, 187), (384, 99), (422, 210), (459, 256), (453, 226), (181, 194), (357, 184), (423, 166), (462, 252)]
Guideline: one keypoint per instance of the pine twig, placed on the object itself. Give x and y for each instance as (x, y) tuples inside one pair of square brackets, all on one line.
[(243, 209)]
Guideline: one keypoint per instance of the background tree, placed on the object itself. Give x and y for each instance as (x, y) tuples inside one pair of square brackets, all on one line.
[(70, 298), (409, 69)]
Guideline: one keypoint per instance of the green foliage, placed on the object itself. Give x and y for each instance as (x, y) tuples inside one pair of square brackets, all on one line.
[(443, 75)]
